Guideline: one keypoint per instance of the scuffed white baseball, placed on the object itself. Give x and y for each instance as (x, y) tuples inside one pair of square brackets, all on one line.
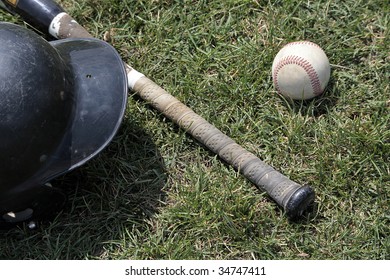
[(300, 70)]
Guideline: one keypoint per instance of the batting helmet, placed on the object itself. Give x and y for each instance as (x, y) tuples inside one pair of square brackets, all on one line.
[(61, 103)]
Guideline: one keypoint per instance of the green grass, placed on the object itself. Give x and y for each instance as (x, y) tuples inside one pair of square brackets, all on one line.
[(155, 193)]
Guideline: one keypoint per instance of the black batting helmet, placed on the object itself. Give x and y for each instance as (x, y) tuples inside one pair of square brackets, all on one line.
[(61, 103)]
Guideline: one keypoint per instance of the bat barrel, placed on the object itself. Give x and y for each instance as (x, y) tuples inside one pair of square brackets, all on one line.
[(38, 13)]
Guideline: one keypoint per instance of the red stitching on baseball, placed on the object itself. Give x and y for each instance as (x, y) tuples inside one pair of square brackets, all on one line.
[(311, 72), (303, 43)]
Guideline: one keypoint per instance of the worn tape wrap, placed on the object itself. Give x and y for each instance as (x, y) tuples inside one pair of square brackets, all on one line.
[(293, 197), (64, 26)]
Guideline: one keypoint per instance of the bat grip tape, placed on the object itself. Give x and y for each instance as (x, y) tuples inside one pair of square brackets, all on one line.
[(291, 196)]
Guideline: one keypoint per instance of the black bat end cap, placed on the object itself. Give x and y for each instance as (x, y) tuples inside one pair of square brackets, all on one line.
[(299, 202)]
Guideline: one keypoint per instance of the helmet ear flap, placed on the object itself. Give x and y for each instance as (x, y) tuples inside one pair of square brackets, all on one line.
[(46, 202)]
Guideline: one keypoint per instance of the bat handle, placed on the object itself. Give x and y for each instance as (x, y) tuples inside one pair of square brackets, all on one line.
[(291, 196), (299, 201)]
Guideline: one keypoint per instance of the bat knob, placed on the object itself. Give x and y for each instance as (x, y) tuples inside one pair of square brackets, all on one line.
[(299, 202)]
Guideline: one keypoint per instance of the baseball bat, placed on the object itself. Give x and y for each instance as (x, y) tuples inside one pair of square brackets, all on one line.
[(50, 17)]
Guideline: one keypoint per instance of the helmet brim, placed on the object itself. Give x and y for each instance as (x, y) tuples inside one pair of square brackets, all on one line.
[(98, 83)]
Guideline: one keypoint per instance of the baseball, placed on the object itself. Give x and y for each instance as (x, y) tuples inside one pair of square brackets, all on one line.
[(300, 70)]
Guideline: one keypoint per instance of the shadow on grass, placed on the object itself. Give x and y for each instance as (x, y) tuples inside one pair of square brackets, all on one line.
[(318, 106), (109, 198)]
